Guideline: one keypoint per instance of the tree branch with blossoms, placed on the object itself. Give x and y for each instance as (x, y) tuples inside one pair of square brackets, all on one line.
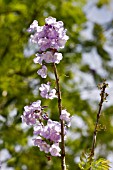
[(62, 122), (48, 134)]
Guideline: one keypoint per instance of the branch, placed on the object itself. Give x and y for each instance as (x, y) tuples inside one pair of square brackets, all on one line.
[(103, 95), (63, 165)]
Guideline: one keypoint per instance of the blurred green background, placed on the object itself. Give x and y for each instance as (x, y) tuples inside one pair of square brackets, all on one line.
[(87, 60)]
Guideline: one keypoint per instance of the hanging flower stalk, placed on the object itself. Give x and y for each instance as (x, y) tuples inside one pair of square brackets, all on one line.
[(49, 134)]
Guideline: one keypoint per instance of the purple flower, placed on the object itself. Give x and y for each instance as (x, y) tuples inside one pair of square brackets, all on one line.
[(37, 141), (30, 120), (46, 132), (49, 57), (38, 129), (43, 146), (54, 124), (57, 57), (55, 136), (55, 130), (44, 44), (55, 149), (28, 115), (32, 113), (65, 116), (39, 58), (46, 92), (37, 105), (43, 71), (50, 20), (62, 41), (52, 131), (51, 35), (33, 26)]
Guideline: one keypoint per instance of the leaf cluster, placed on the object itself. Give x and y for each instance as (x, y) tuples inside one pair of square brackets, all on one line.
[(89, 163)]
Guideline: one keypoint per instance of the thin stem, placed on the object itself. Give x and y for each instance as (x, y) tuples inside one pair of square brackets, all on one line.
[(63, 164), (103, 98)]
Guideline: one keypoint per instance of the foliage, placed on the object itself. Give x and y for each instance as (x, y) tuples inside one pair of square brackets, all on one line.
[(19, 82), (86, 162)]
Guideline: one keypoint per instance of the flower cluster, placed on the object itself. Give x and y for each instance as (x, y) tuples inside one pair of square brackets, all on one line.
[(47, 132), (46, 92), (48, 57), (51, 35), (49, 38), (32, 113)]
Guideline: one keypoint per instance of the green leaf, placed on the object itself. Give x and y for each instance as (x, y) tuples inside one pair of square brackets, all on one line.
[(100, 164)]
